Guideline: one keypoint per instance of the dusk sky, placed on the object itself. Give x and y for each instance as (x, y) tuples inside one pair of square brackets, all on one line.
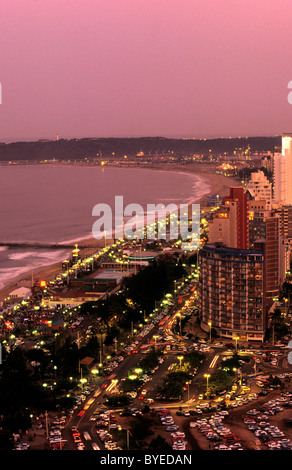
[(125, 68)]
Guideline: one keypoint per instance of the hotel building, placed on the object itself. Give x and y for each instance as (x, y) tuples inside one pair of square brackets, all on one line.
[(283, 172), (231, 292), (260, 188), (231, 222), (265, 234)]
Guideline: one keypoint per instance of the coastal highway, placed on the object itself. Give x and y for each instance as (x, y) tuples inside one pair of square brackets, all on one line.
[(94, 401), (81, 418)]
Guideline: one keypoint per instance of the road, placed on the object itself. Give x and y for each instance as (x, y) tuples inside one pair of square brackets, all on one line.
[(198, 385)]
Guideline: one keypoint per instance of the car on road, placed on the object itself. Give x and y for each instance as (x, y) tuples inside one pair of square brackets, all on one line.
[(95, 446), (172, 428), (178, 435), (148, 401)]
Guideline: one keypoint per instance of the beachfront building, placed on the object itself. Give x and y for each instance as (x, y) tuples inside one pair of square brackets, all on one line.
[(283, 172), (232, 292), (21, 293), (286, 232), (69, 299), (214, 201), (265, 234), (230, 224), (260, 188), (286, 221)]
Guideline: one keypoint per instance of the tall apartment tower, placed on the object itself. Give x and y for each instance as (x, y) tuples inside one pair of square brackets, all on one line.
[(231, 292), (283, 172), (230, 226), (286, 232), (286, 217), (265, 234), (260, 188)]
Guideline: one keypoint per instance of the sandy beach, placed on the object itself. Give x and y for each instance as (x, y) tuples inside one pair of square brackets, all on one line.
[(218, 184)]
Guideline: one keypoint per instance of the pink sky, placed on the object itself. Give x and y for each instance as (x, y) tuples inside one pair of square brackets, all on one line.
[(174, 68)]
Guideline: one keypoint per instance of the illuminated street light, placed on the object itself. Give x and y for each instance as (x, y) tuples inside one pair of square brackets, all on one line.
[(238, 371), (207, 376), (179, 315), (155, 338), (94, 372), (236, 338), (210, 329), (180, 358)]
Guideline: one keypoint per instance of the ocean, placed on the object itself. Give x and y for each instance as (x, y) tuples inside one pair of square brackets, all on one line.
[(53, 204)]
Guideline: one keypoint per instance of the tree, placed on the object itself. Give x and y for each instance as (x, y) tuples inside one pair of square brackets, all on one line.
[(20, 393), (150, 360), (152, 282), (159, 444), (91, 348), (65, 358), (220, 380), (174, 384), (120, 399), (141, 427)]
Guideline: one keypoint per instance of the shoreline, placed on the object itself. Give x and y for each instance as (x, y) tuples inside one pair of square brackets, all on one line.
[(218, 184)]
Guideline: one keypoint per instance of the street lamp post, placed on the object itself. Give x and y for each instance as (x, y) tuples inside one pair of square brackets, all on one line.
[(238, 371), (189, 383), (179, 316), (286, 306), (94, 373), (210, 329), (207, 377), (180, 358), (83, 381)]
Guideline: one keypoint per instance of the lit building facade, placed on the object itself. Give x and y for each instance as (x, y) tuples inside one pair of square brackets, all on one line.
[(286, 220), (283, 172), (260, 188), (265, 234), (232, 292), (230, 224)]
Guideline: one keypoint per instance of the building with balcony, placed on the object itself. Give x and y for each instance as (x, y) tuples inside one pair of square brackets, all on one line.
[(265, 234), (232, 292), (230, 225), (260, 188), (283, 172)]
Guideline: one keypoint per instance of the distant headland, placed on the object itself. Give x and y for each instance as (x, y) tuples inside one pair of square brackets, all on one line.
[(111, 147)]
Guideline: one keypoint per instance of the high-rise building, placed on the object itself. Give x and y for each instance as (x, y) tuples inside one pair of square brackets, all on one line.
[(257, 227), (279, 175), (231, 222), (286, 221), (265, 234), (260, 188), (223, 227), (231, 292), (283, 171), (286, 232)]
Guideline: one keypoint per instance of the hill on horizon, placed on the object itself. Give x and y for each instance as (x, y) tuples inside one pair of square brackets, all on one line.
[(64, 149)]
